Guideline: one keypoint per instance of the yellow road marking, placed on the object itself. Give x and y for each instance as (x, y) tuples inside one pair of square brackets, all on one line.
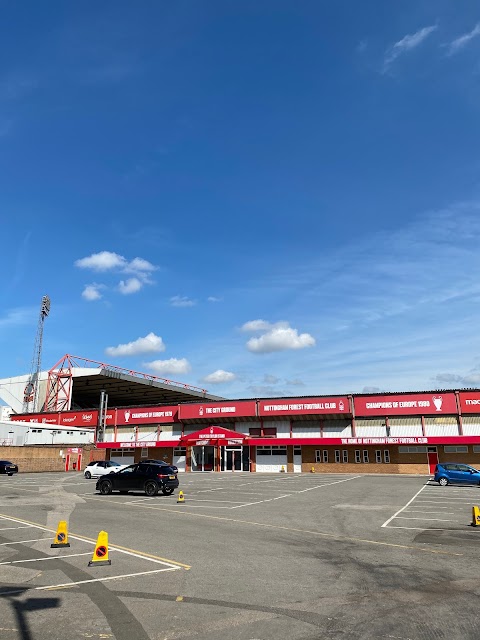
[(295, 530), (87, 539), (179, 599)]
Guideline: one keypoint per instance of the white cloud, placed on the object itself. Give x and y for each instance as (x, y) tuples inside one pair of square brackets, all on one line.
[(213, 299), (149, 344), (280, 339), (407, 43), (182, 301), (103, 261), (261, 325), (269, 379), (92, 292), (173, 365), (219, 376), (109, 261), (132, 285), (139, 265), (462, 41), (18, 317), (296, 382)]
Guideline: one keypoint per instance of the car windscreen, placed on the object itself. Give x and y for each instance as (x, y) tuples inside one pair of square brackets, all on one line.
[(5, 462)]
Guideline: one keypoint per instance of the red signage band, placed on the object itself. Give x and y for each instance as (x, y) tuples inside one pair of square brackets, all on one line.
[(142, 415), (66, 419), (318, 443), (218, 410), (469, 401), (137, 445), (406, 404), (304, 406)]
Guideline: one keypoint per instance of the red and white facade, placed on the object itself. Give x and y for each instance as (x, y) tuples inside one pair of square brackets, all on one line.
[(375, 433)]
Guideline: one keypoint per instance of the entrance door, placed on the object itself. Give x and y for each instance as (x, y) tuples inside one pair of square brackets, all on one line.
[(297, 459), (432, 458), (234, 458), (203, 458)]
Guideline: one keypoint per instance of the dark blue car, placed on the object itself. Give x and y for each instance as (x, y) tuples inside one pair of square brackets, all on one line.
[(456, 473)]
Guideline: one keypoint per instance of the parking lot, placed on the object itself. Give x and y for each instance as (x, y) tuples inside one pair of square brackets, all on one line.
[(246, 556)]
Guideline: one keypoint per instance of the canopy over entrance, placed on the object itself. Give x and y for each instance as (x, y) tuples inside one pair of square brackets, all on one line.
[(213, 435)]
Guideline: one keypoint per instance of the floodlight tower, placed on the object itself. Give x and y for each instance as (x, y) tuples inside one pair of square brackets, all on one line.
[(31, 390)]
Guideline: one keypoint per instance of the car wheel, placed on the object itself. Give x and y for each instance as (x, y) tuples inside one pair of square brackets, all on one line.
[(151, 488), (88, 475), (106, 487), (167, 491), (443, 482)]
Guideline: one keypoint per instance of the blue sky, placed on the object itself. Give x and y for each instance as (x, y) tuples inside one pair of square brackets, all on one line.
[(257, 198)]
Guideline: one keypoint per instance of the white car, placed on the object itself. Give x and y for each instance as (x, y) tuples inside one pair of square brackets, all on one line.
[(101, 468)]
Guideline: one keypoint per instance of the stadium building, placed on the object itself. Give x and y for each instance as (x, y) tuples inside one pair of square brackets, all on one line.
[(137, 416)]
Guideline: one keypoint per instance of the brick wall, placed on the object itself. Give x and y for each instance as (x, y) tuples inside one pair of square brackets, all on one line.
[(32, 459)]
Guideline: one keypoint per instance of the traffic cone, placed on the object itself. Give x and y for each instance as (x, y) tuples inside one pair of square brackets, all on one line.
[(475, 517), (312, 470), (61, 537), (181, 498), (282, 470), (100, 553)]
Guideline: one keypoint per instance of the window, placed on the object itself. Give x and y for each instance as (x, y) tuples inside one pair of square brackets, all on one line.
[(412, 449), (37, 430), (386, 456), (180, 451), (271, 432), (365, 455), (83, 433), (297, 450), (69, 433), (144, 452), (263, 432), (476, 448), (345, 455), (378, 456), (357, 456), (272, 451), (325, 455), (337, 455), (318, 455), (455, 449)]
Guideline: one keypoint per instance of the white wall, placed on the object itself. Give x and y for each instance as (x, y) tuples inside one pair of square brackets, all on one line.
[(283, 427)]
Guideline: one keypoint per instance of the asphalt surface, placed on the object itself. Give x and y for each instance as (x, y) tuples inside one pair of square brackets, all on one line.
[(245, 557)]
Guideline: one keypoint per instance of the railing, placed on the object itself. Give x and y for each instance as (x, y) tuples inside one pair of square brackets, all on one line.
[(6, 442)]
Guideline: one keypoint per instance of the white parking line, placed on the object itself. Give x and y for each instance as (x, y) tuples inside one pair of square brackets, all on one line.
[(28, 526), (426, 519), (71, 555), (66, 585), (444, 513), (387, 522), (3, 544)]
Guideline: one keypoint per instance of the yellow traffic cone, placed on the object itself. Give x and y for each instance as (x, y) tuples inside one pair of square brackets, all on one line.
[(181, 498), (100, 553), (475, 517), (312, 470), (61, 537)]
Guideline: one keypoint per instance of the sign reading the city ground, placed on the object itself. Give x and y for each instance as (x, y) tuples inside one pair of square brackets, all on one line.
[(219, 410)]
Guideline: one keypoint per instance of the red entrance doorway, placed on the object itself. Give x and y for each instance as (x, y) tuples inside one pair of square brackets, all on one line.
[(432, 455)]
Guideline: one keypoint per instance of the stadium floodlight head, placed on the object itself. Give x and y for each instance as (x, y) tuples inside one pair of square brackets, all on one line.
[(45, 309)]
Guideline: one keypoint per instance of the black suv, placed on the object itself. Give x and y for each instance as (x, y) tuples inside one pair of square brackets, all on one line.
[(147, 477)]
